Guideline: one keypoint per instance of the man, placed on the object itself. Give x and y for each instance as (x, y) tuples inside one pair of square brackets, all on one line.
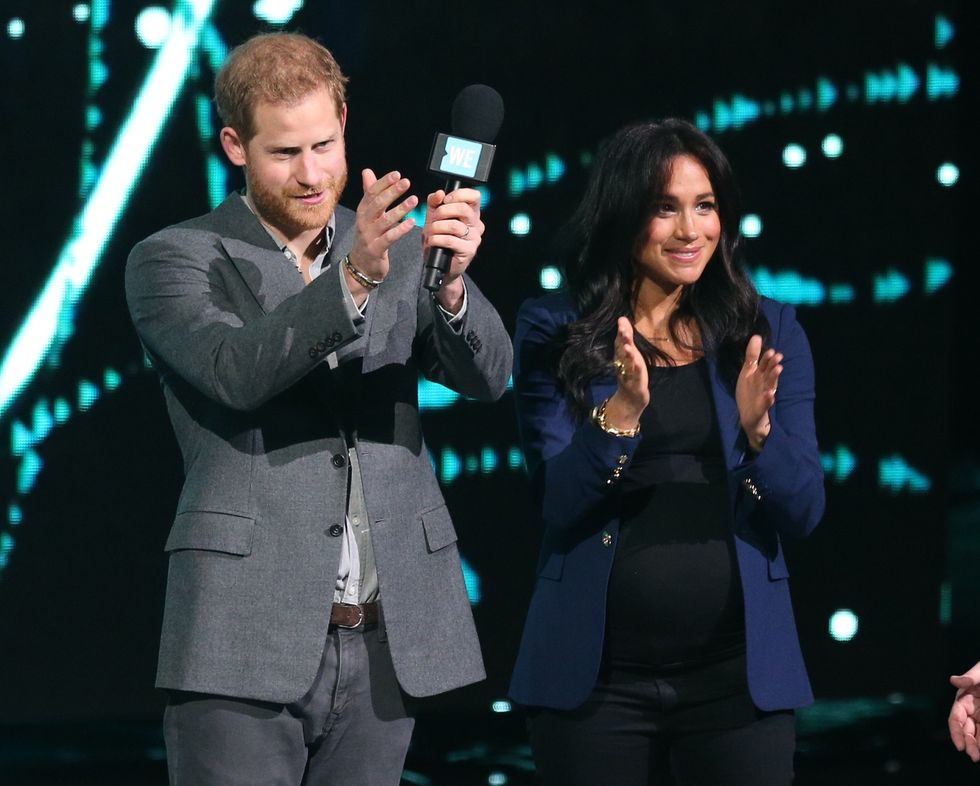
[(314, 574)]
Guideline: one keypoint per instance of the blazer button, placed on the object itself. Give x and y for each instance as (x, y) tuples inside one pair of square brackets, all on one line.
[(335, 530), (338, 460)]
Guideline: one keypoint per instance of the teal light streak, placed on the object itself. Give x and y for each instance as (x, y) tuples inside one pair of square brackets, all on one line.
[(841, 293), (895, 475), (111, 379), (88, 394), (840, 464), (938, 272), (944, 31), (471, 578), (21, 438), (6, 546), (213, 45), (535, 176), (789, 287), (39, 336), (432, 395), (62, 411), (826, 94), (488, 460), (30, 467), (554, 168), (14, 514), (515, 458), (516, 183), (449, 465), (890, 286), (42, 421), (941, 82)]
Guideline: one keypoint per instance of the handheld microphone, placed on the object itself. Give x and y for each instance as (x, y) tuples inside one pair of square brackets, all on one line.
[(463, 156)]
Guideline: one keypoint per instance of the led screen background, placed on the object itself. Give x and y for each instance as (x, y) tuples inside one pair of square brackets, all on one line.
[(842, 123)]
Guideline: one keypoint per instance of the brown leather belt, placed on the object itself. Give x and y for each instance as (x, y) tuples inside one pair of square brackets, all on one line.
[(350, 615)]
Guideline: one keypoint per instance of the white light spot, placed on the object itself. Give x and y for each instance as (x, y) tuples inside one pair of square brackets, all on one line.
[(16, 27), (843, 625), (81, 12), (751, 225), (501, 706), (550, 277), (948, 174), (520, 224), (153, 26), (794, 156), (832, 146), (276, 12)]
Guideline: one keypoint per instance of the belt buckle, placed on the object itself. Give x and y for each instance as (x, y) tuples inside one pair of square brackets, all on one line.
[(360, 616)]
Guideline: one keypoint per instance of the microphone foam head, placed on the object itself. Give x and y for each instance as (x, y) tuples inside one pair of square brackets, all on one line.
[(478, 113)]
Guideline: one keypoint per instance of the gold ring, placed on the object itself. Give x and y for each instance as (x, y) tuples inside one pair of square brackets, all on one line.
[(620, 367)]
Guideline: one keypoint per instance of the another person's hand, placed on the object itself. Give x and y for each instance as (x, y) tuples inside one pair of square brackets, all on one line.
[(755, 390), (632, 394), (379, 224), (453, 222), (965, 713)]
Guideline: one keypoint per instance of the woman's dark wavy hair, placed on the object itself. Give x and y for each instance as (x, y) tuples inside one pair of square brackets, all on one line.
[(599, 246)]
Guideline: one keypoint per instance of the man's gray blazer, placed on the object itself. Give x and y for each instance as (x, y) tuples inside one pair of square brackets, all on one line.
[(240, 343)]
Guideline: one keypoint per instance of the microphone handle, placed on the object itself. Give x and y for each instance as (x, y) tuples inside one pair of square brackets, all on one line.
[(439, 259)]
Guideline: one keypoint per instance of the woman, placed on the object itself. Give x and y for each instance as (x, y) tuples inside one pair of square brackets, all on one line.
[(666, 412)]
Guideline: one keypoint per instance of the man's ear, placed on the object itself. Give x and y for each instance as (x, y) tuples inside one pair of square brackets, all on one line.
[(343, 117), (233, 146)]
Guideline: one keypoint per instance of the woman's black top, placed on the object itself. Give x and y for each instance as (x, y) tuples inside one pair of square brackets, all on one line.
[(674, 600)]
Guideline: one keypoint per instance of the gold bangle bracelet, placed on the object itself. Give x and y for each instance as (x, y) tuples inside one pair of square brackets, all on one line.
[(359, 277), (599, 418)]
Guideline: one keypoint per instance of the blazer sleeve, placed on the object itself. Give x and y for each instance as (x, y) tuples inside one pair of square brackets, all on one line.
[(572, 464), (787, 474), (179, 290), (473, 357)]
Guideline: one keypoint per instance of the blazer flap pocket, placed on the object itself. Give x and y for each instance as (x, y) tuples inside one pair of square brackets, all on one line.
[(210, 530), (438, 527)]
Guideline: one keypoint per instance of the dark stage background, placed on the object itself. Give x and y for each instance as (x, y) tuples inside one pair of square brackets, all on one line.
[(844, 123)]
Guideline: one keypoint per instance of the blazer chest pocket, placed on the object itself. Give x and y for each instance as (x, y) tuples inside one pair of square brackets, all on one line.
[(208, 530), (438, 528)]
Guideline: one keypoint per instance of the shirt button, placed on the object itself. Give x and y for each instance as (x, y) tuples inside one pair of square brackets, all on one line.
[(338, 460), (335, 530)]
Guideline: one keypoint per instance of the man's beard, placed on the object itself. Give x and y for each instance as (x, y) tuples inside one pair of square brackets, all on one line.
[(282, 211)]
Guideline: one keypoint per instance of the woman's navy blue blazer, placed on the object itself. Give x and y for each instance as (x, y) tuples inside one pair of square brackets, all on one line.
[(774, 495)]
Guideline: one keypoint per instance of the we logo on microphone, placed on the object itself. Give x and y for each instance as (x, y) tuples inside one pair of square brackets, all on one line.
[(467, 159), (461, 157)]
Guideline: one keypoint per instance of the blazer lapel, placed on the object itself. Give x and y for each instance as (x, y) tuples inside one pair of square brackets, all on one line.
[(262, 266), (727, 411)]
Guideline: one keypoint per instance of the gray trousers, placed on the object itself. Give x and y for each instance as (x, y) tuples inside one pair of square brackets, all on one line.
[(351, 727)]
